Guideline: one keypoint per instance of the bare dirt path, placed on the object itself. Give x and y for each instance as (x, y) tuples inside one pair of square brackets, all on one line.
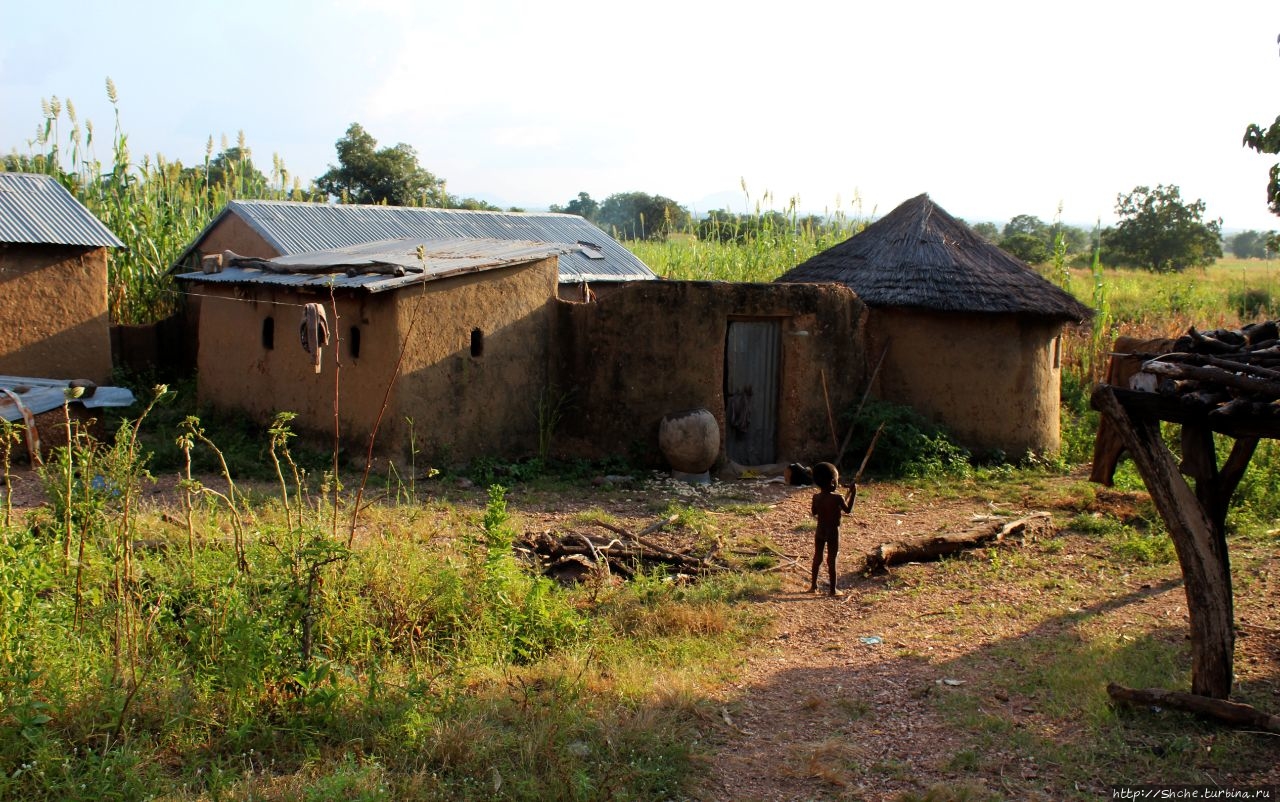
[(857, 697), (826, 703)]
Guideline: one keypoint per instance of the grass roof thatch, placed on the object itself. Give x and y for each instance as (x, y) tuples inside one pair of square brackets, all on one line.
[(920, 256)]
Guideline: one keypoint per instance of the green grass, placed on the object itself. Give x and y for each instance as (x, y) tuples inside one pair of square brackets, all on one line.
[(425, 662)]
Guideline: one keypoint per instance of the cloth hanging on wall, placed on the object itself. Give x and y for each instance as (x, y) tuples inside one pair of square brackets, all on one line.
[(738, 410), (314, 332)]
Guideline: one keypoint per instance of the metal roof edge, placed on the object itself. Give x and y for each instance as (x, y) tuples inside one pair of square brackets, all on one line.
[(91, 220)]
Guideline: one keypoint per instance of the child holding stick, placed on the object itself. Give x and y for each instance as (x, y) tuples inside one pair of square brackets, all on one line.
[(828, 507)]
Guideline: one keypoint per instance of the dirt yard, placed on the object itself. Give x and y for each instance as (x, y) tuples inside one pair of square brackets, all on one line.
[(981, 677), (923, 683)]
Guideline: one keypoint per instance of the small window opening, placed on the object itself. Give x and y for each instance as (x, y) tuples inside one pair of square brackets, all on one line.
[(269, 333), (353, 342), (477, 343), (1057, 352)]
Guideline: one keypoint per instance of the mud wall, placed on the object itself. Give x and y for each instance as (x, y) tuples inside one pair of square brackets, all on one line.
[(241, 368), (53, 310), (994, 380), (477, 363), (655, 347), (461, 405), (232, 234)]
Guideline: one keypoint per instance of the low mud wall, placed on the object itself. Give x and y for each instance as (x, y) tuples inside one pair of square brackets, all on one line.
[(655, 347)]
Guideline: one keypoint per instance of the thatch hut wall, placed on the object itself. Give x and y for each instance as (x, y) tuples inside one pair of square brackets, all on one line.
[(53, 302), (993, 380), (974, 331)]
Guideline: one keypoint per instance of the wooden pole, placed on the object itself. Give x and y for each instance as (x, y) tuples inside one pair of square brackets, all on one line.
[(871, 448), (831, 420), (1201, 549), (871, 382)]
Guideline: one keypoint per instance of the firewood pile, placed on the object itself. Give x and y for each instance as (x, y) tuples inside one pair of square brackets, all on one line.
[(572, 557), (1231, 373)]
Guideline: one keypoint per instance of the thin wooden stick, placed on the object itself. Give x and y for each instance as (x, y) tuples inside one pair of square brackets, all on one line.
[(870, 449), (871, 382), (831, 419)]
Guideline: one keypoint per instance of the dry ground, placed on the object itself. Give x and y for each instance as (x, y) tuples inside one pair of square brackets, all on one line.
[(923, 681)]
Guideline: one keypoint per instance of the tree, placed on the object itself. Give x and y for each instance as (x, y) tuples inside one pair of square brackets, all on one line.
[(1027, 247), (1253, 244), (636, 215), (583, 206), (234, 166), (1026, 224), (1034, 241), (231, 169), (1267, 140), (472, 204), (988, 231), (367, 174), (1160, 232)]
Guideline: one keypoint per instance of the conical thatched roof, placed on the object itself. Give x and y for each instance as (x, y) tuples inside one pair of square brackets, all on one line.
[(920, 256)]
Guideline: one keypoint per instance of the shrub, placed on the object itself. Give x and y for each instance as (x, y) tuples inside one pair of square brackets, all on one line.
[(909, 445)]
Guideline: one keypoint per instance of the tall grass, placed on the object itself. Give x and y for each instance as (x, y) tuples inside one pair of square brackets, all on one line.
[(155, 205), (243, 651), (756, 246)]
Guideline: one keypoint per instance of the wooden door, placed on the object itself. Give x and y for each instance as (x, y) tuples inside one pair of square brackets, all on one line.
[(752, 357)]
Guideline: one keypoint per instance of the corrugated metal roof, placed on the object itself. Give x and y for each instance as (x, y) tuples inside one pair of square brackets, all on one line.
[(42, 395), (37, 210), (293, 227), (384, 265)]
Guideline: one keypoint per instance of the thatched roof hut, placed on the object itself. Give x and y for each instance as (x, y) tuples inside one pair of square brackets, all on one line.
[(973, 335), (920, 256)]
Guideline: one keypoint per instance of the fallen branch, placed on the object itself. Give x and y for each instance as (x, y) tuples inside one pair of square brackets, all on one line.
[(937, 546), (1234, 713)]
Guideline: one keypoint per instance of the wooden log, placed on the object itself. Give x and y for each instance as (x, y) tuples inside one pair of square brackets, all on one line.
[(1242, 367), (1249, 384), (1234, 713), (937, 546)]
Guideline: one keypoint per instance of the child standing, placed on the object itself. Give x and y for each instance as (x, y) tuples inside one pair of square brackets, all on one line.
[(827, 507)]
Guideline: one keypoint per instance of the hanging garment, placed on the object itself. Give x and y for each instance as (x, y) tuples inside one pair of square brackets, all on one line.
[(738, 410), (314, 332)]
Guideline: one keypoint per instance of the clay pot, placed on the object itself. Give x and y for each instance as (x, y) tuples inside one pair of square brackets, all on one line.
[(690, 440)]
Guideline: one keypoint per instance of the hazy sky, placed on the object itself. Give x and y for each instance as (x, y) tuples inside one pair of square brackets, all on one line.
[(993, 108)]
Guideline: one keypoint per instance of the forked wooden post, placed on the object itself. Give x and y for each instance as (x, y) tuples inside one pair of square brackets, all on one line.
[(1197, 532)]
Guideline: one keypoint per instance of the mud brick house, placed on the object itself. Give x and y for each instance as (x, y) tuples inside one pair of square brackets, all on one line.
[(971, 336), (488, 345), (54, 321), (452, 333)]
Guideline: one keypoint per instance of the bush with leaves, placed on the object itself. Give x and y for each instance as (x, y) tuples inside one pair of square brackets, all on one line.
[(909, 445)]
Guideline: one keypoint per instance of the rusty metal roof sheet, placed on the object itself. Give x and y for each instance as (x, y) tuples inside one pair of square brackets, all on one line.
[(37, 210), (293, 227), (381, 266), (42, 395)]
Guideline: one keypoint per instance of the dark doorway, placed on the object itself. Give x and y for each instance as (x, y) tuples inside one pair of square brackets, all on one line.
[(752, 355)]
